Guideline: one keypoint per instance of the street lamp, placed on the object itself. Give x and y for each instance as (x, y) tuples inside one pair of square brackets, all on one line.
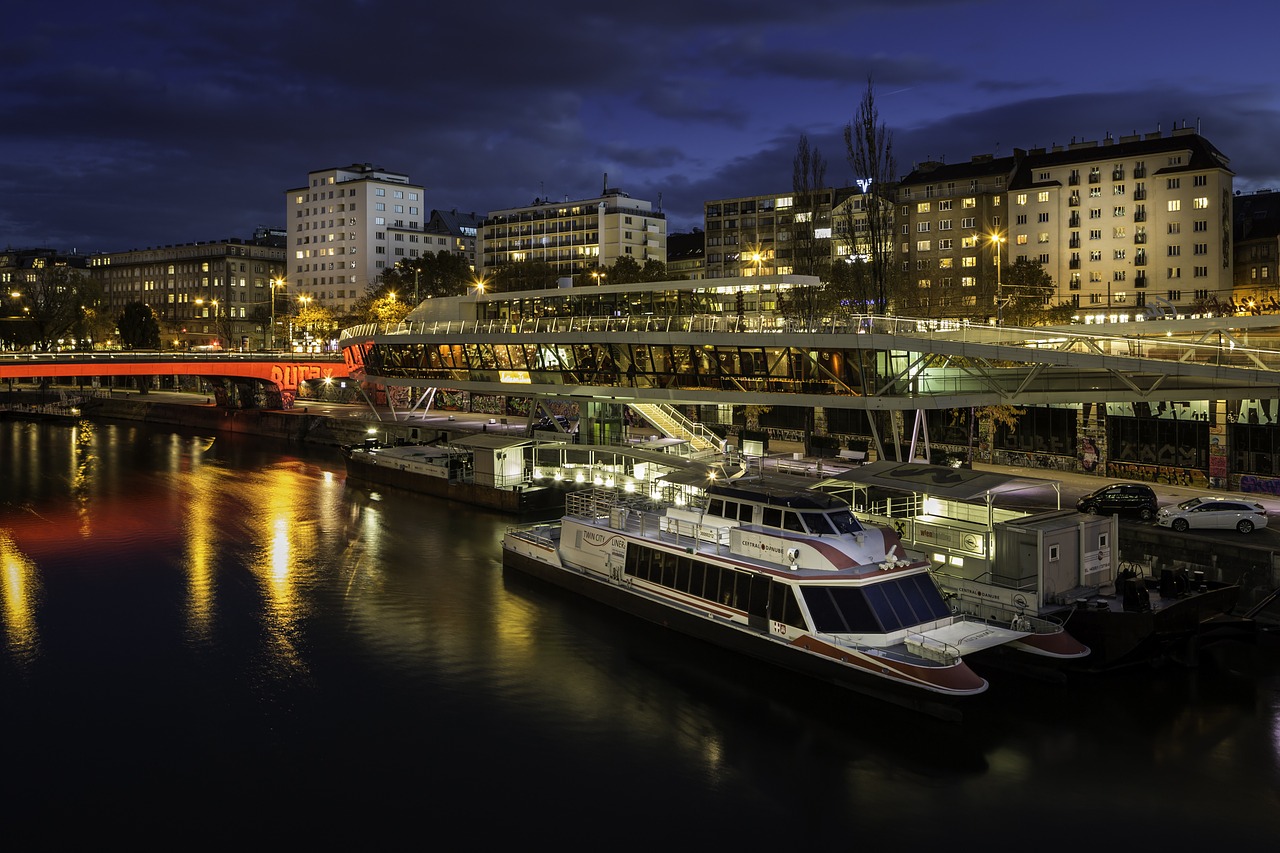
[(306, 303), (598, 275), (271, 335), (997, 240), (479, 287)]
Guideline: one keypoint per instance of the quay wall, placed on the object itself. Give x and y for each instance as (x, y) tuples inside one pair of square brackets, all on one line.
[(295, 425)]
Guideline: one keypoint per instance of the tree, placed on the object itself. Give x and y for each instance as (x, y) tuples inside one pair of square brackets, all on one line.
[(654, 270), (810, 255), (53, 298), (139, 328), (1026, 289), (869, 148), (432, 275), (625, 270), (530, 274)]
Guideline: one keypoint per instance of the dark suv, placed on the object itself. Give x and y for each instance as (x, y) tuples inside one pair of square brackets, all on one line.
[(1123, 499)]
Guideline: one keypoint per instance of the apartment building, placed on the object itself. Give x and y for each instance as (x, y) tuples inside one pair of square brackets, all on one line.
[(782, 233), (573, 236), (215, 293), (451, 231), (346, 227), (1256, 250), (1120, 226)]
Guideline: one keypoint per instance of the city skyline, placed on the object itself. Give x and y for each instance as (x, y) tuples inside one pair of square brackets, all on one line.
[(165, 125)]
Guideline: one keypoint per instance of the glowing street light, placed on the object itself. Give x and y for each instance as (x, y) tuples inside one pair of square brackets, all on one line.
[(598, 275), (997, 239), (271, 334)]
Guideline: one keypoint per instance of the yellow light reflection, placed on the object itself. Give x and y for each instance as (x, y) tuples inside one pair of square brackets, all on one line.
[(20, 595)]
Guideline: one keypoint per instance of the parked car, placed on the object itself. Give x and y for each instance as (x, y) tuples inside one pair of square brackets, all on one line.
[(560, 423), (1214, 514), (1137, 499)]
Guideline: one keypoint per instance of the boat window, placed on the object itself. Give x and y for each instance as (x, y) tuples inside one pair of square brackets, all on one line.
[(682, 574), (840, 610), (711, 588), (697, 574), (745, 512), (772, 517), (783, 606), (906, 601), (791, 521), (817, 523), (844, 521), (716, 507)]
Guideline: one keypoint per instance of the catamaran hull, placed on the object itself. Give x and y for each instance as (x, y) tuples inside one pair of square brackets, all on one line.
[(934, 690)]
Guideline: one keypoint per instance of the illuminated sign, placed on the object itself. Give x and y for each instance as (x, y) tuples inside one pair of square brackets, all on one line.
[(516, 377)]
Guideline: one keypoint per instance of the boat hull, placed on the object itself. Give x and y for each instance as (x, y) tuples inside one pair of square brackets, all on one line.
[(544, 565), (1170, 629), (517, 501)]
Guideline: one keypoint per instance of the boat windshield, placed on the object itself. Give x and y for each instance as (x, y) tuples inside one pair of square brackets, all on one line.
[(880, 608), (844, 521)]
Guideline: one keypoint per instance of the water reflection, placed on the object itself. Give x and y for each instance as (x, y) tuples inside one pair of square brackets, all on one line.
[(20, 596)]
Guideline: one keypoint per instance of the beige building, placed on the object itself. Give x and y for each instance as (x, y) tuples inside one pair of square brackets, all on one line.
[(212, 294), (346, 227), (1123, 227), (573, 236)]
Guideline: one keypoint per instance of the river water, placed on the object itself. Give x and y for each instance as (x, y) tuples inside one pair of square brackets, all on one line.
[(209, 640)]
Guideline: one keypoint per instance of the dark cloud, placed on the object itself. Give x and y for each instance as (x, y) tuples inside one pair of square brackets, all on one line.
[(167, 123)]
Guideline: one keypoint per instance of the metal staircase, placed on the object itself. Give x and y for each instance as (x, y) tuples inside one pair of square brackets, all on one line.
[(668, 420)]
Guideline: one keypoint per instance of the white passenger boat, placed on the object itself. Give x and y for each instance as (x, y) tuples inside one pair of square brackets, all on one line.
[(785, 575)]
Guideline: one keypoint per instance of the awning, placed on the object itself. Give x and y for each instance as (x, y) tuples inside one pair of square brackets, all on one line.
[(961, 484)]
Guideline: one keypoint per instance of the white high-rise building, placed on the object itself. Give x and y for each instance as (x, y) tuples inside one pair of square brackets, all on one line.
[(346, 227), (574, 237)]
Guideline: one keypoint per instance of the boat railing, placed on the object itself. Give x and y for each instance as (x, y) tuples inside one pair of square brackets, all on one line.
[(539, 534), (918, 646), (640, 514)]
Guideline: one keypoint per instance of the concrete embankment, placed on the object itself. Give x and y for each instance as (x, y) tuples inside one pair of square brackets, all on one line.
[(295, 425)]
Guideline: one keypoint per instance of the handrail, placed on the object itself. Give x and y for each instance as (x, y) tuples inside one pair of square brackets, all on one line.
[(1148, 341)]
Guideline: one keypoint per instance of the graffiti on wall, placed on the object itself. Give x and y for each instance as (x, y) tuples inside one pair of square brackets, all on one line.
[(1259, 485), (1171, 475)]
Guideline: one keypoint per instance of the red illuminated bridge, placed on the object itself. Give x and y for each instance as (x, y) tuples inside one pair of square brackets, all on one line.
[(232, 374)]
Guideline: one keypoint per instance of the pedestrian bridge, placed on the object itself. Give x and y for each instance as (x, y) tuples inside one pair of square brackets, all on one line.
[(863, 362), (269, 378)]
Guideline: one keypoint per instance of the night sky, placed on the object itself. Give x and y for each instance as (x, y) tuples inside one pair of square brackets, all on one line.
[(128, 125)]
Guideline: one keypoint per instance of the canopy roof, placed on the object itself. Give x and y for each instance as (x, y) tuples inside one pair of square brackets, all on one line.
[(961, 484)]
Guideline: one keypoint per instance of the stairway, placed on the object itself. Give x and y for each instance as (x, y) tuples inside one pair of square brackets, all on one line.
[(668, 420)]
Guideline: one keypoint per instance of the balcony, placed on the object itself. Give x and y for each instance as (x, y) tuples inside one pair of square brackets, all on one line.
[(1140, 194), (1074, 221), (1074, 264), (1073, 201), (1139, 216), (1140, 281), (1073, 180), (1095, 178), (1117, 174), (1074, 242), (1139, 239)]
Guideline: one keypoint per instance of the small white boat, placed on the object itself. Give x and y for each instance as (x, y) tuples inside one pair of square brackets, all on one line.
[(784, 575)]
